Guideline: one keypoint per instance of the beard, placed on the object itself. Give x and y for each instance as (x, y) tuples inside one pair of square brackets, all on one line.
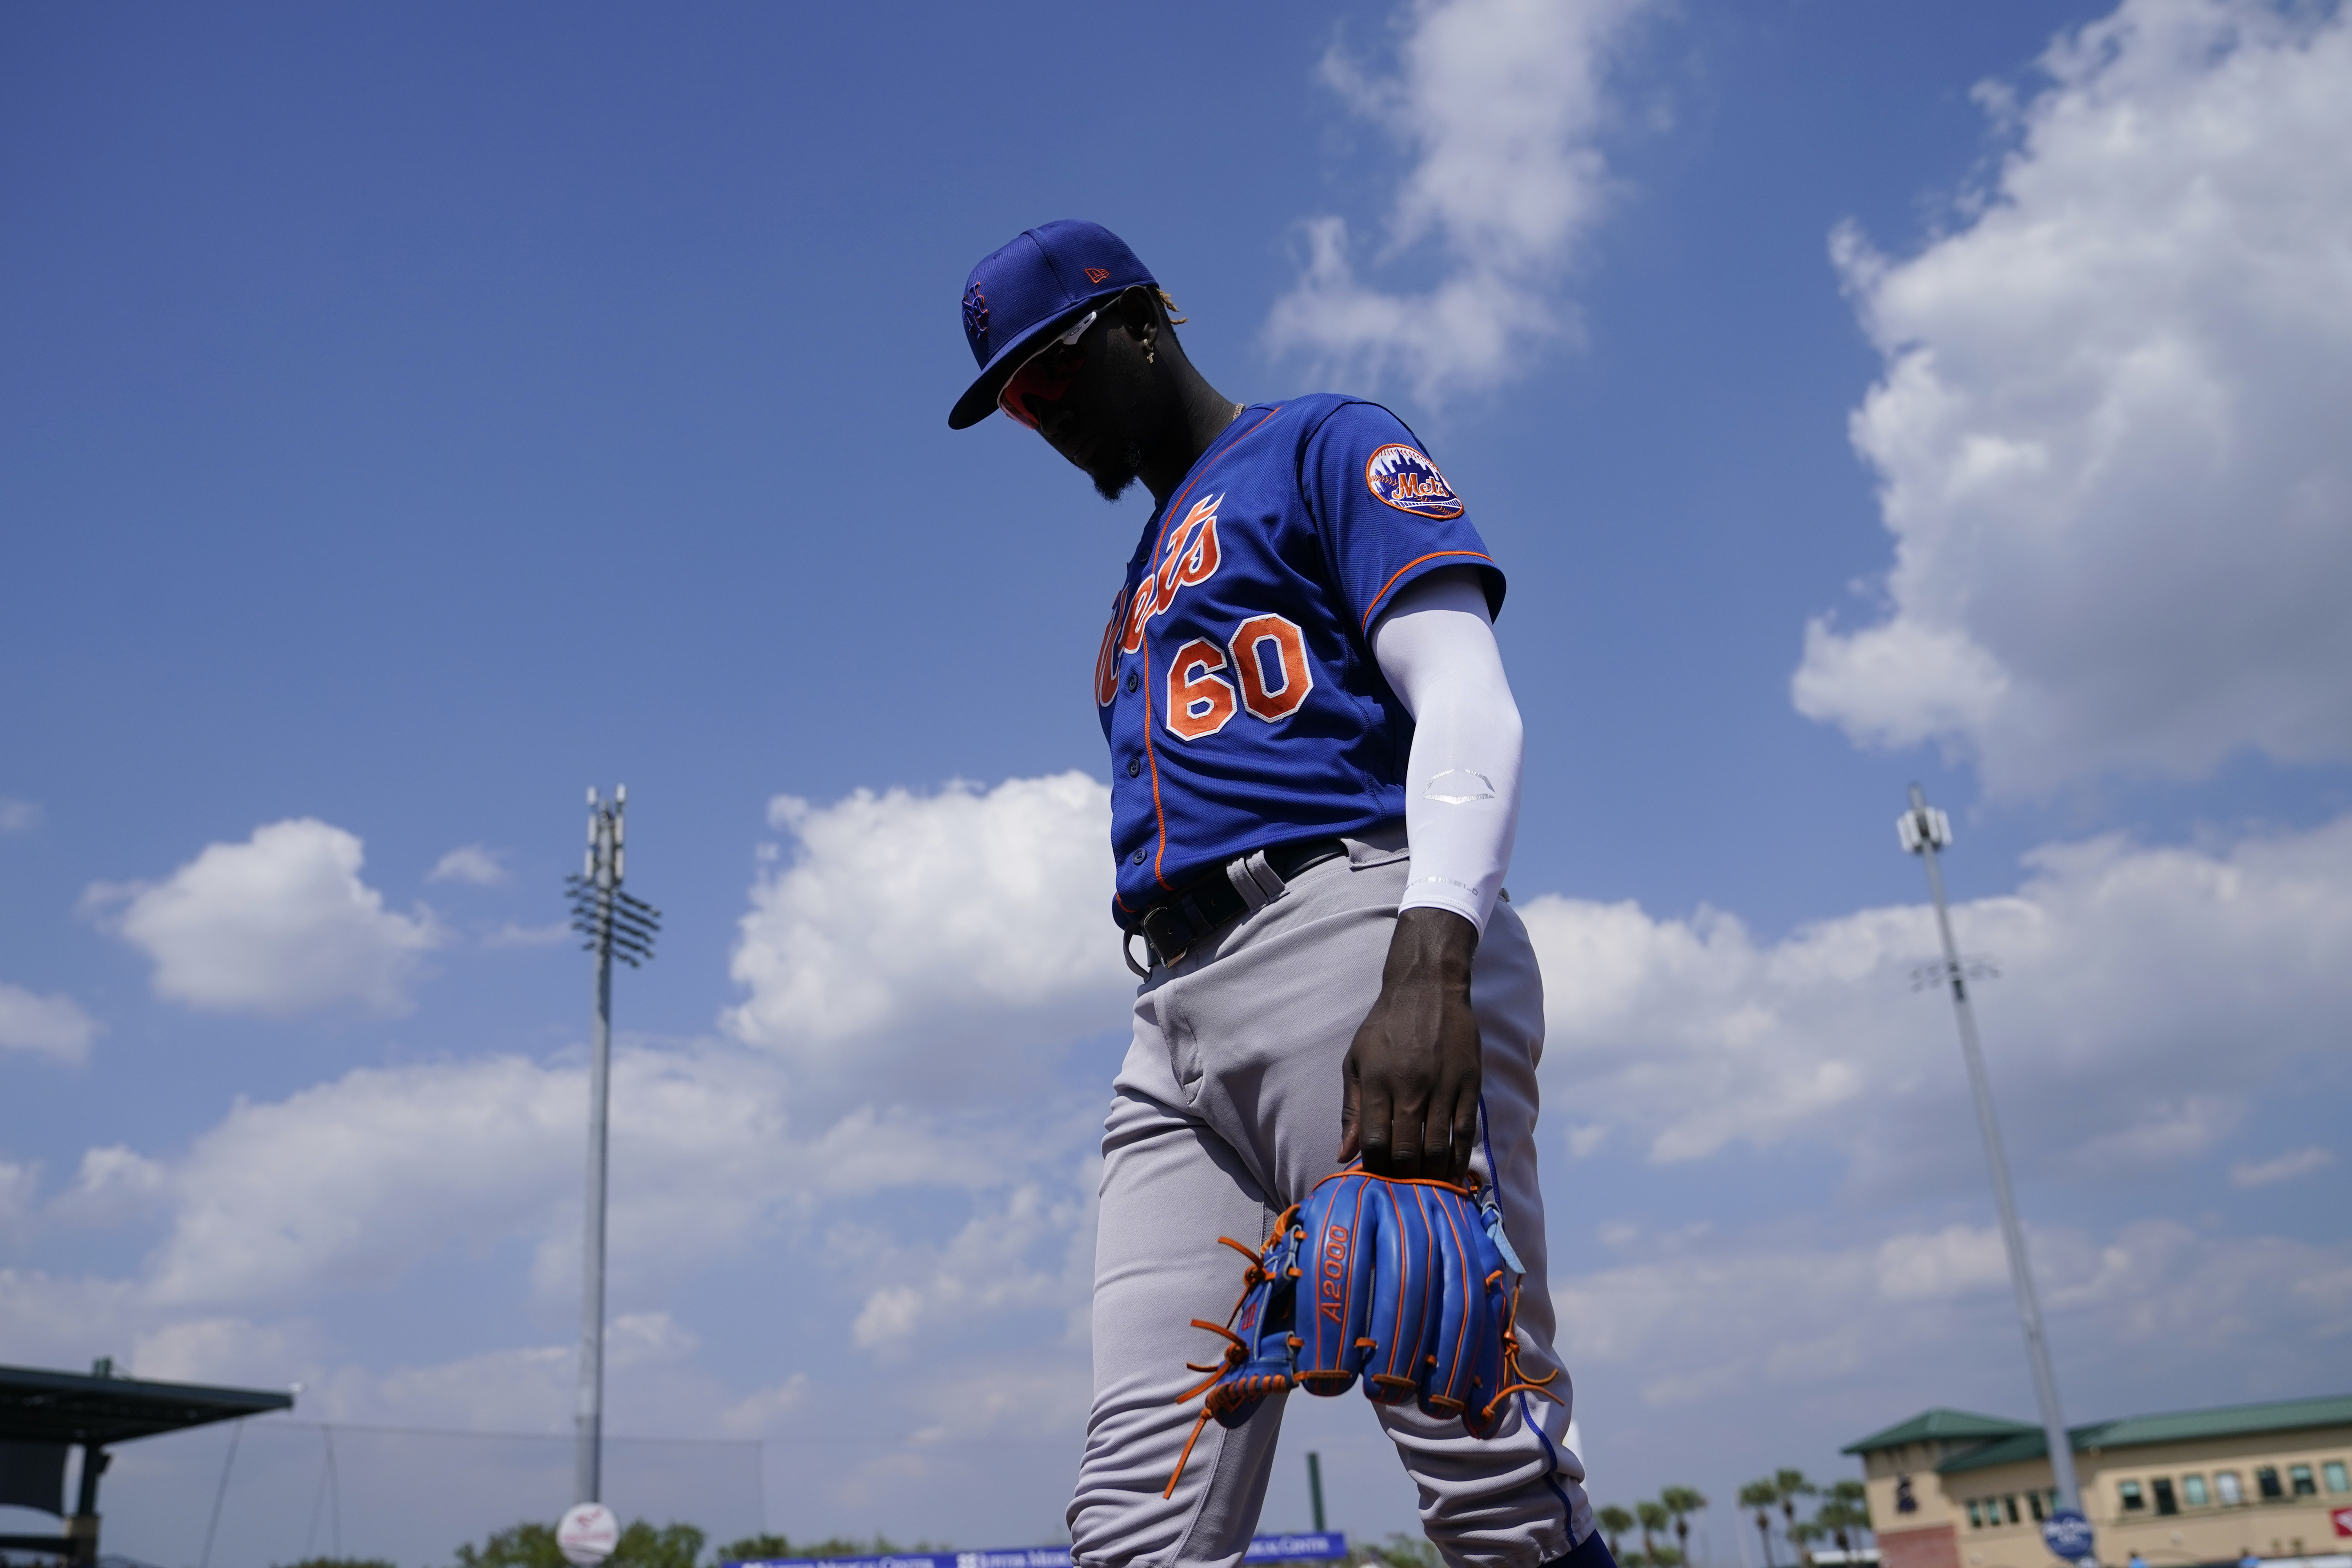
[(1112, 480)]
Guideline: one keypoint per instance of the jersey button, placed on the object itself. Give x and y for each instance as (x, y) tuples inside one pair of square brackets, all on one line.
[(1136, 859), (1134, 766), (1133, 680)]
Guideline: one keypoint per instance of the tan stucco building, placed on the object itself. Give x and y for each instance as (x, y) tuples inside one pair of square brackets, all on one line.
[(1949, 1490)]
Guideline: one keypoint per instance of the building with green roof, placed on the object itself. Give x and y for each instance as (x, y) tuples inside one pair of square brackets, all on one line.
[(1952, 1489)]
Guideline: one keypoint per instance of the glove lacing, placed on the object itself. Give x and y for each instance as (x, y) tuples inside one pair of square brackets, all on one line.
[(1513, 1380), (1237, 1350)]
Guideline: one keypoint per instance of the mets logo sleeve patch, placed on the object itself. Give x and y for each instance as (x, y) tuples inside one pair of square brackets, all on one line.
[(1235, 680), (1401, 477)]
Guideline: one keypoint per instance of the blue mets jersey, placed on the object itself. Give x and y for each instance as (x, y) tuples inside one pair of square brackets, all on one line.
[(1236, 681)]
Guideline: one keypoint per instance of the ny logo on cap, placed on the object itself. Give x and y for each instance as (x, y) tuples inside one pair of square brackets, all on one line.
[(975, 314)]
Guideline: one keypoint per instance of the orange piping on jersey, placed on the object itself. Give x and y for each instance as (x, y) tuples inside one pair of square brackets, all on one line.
[(1151, 747), (1432, 555), (1151, 752)]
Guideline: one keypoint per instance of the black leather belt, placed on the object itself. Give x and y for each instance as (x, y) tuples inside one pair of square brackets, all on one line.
[(1173, 925)]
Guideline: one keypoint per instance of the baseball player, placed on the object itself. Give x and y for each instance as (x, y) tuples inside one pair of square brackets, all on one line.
[(1315, 774)]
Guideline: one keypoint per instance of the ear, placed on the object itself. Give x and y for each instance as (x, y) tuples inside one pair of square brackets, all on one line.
[(1138, 312)]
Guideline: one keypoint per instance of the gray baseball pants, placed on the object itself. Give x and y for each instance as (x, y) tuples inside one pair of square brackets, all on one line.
[(1227, 1112)]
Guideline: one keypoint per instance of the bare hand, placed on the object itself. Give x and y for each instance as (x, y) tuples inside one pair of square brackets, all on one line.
[(1411, 1106)]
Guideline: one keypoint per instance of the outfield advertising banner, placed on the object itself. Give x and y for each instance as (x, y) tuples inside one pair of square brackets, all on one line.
[(1310, 1546)]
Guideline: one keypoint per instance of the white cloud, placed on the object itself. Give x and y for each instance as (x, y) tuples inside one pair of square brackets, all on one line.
[(20, 1184), (513, 935), (18, 816), (958, 932), (2111, 437), (280, 923), (1032, 1247), (227, 1351), (1751, 1322), (1498, 103), (2144, 993), (46, 1025), (469, 863), (2287, 1167), (1956, 1261), (115, 1183), (352, 1183)]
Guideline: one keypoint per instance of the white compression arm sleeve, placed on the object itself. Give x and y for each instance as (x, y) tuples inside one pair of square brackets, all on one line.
[(1437, 648)]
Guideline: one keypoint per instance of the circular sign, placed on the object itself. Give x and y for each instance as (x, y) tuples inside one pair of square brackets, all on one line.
[(588, 1534), (2067, 1534)]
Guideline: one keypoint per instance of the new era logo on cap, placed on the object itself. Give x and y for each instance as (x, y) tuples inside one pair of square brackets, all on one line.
[(1096, 274)]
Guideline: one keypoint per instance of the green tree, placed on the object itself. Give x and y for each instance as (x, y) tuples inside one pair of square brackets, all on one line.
[(532, 1545), (1402, 1551), (518, 1546), (1653, 1518), (1789, 1486), (643, 1546), (1760, 1496), (1844, 1512), (1614, 1522), (1680, 1503), (340, 1562)]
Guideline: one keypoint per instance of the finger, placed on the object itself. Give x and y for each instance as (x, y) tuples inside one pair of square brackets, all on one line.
[(1409, 1138), (1376, 1136), (1465, 1132), (1350, 1143)]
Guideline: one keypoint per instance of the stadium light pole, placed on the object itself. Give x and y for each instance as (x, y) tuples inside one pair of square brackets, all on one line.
[(615, 926), (1924, 830)]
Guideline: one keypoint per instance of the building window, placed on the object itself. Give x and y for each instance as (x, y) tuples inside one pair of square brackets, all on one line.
[(2298, 1479), (2226, 1488), (1976, 1520), (2267, 1482), (2010, 1503), (2192, 1492), (2033, 1501), (2165, 1501), (2051, 1498), (2133, 1502), (2334, 1472)]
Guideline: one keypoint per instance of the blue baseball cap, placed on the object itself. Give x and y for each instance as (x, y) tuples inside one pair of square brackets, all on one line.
[(1038, 282)]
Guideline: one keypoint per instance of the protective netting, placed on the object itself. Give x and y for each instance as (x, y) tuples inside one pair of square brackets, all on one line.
[(271, 1491)]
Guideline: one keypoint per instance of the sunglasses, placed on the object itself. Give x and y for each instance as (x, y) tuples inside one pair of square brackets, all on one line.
[(1046, 375)]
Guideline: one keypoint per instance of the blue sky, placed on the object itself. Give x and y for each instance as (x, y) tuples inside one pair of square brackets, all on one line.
[(417, 415)]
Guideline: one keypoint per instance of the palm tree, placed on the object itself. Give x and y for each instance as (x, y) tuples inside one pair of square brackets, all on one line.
[(1789, 1486), (1680, 1503), (1614, 1522), (1654, 1519), (1845, 1515), (1802, 1534), (1760, 1496)]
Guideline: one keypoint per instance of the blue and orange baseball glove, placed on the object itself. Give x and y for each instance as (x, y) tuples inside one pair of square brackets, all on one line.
[(1411, 1285)]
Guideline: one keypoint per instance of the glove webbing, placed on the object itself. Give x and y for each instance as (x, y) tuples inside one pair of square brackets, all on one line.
[(1237, 1351)]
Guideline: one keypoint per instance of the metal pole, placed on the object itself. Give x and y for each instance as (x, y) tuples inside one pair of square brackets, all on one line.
[(2013, 1235), (588, 1479), (615, 924), (1315, 1488)]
